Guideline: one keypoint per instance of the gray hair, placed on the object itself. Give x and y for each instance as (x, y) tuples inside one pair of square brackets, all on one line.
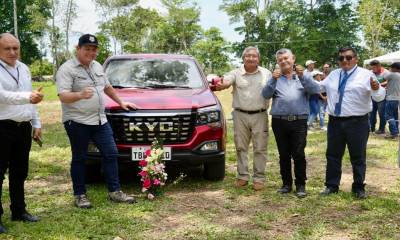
[(248, 49), (283, 51)]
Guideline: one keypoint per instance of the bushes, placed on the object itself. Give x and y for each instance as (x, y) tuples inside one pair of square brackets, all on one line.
[(41, 68)]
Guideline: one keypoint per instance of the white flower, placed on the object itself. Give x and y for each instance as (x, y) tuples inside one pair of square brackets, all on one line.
[(144, 189), (150, 196)]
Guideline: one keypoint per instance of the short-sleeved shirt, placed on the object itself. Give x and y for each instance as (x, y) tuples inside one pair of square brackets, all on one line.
[(393, 86), (247, 88), (382, 75), (73, 77)]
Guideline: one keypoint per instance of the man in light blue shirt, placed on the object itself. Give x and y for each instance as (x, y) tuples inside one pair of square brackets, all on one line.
[(289, 92)]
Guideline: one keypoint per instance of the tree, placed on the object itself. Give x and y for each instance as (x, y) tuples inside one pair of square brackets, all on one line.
[(312, 30), (104, 48), (31, 14), (181, 28), (380, 24), (212, 52), (114, 11), (68, 19)]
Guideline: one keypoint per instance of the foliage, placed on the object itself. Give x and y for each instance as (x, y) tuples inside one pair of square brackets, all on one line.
[(41, 68), (32, 16), (380, 24), (212, 52), (314, 31), (104, 48), (153, 175)]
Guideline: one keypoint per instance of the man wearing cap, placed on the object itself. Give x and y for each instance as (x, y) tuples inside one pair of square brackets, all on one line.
[(81, 85), (18, 117), (392, 99), (289, 91), (250, 121), (349, 90), (310, 65), (378, 107)]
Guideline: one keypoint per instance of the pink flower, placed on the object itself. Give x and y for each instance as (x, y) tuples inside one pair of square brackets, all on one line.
[(147, 183), (143, 173), (148, 152), (156, 182), (143, 163)]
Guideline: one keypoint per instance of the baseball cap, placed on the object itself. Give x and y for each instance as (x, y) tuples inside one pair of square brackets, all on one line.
[(315, 73), (308, 62), (395, 65), (88, 39)]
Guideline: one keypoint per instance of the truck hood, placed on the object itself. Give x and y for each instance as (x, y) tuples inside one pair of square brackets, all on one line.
[(159, 99)]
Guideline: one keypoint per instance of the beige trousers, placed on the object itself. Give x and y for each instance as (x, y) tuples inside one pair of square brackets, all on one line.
[(253, 127)]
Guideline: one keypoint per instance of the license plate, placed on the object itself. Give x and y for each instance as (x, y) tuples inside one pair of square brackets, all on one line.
[(139, 153)]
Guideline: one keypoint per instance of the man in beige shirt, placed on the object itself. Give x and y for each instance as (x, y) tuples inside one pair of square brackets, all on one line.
[(250, 120)]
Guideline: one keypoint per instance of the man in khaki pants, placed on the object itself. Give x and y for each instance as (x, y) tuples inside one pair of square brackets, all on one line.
[(250, 121)]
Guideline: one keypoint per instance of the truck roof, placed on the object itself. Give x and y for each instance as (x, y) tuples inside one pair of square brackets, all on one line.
[(150, 56)]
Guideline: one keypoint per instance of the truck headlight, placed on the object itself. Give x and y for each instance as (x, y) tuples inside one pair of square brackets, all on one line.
[(210, 116)]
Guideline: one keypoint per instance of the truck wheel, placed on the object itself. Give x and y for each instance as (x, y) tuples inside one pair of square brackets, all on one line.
[(215, 171), (93, 173)]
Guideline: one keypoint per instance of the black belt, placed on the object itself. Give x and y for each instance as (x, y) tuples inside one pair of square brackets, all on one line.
[(348, 118), (290, 117), (250, 112), (14, 123)]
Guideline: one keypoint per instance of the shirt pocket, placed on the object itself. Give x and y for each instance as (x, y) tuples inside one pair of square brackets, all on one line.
[(100, 78), (80, 82), (242, 83)]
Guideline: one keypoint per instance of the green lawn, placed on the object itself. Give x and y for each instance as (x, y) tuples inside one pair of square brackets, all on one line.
[(199, 209)]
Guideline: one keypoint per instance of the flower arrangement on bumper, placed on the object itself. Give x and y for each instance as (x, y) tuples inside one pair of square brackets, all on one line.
[(153, 175)]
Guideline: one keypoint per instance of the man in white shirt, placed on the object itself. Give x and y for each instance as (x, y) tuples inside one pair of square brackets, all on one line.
[(250, 119), (18, 116), (349, 90)]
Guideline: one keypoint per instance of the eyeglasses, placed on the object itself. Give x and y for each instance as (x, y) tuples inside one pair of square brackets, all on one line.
[(348, 58)]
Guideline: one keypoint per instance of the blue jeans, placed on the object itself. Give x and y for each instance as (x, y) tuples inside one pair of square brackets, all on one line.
[(79, 136), (392, 116), (378, 107), (322, 110), (314, 110)]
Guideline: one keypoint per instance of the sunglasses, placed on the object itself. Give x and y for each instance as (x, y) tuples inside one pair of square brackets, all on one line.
[(348, 58)]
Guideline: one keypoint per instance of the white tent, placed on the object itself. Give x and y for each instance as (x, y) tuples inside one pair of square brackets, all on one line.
[(386, 59)]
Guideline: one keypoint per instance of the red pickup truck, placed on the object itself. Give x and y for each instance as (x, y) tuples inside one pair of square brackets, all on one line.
[(175, 104)]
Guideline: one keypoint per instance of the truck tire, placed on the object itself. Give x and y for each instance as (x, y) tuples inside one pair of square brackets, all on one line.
[(214, 171)]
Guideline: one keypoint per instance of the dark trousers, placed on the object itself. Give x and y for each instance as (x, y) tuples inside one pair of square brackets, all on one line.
[(392, 116), (15, 144), (353, 132), (290, 138), (378, 107), (102, 136)]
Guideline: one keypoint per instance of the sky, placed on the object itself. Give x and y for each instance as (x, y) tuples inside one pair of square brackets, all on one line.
[(87, 19)]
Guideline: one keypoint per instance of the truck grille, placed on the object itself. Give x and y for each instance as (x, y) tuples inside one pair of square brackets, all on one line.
[(143, 127)]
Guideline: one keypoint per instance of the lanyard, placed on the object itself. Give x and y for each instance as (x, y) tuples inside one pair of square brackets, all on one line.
[(345, 78), (15, 78)]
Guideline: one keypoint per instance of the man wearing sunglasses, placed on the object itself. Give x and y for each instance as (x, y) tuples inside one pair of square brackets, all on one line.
[(349, 90)]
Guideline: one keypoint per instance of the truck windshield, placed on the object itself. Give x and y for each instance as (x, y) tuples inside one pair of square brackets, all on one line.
[(154, 73)]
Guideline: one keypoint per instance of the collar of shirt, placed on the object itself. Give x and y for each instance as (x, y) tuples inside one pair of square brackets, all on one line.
[(244, 72), (351, 70), (77, 63), (10, 67)]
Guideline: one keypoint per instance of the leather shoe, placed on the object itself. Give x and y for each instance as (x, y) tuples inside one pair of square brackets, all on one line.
[(241, 183), (327, 191), (257, 186), (2, 228), (360, 194), (25, 217), (301, 191), (285, 189)]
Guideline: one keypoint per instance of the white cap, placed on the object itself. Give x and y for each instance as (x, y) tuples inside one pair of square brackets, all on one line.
[(308, 62), (316, 72)]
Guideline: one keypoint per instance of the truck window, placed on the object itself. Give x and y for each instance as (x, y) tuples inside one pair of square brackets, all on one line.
[(157, 73)]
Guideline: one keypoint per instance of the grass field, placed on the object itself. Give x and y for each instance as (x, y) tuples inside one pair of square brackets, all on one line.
[(199, 209)]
